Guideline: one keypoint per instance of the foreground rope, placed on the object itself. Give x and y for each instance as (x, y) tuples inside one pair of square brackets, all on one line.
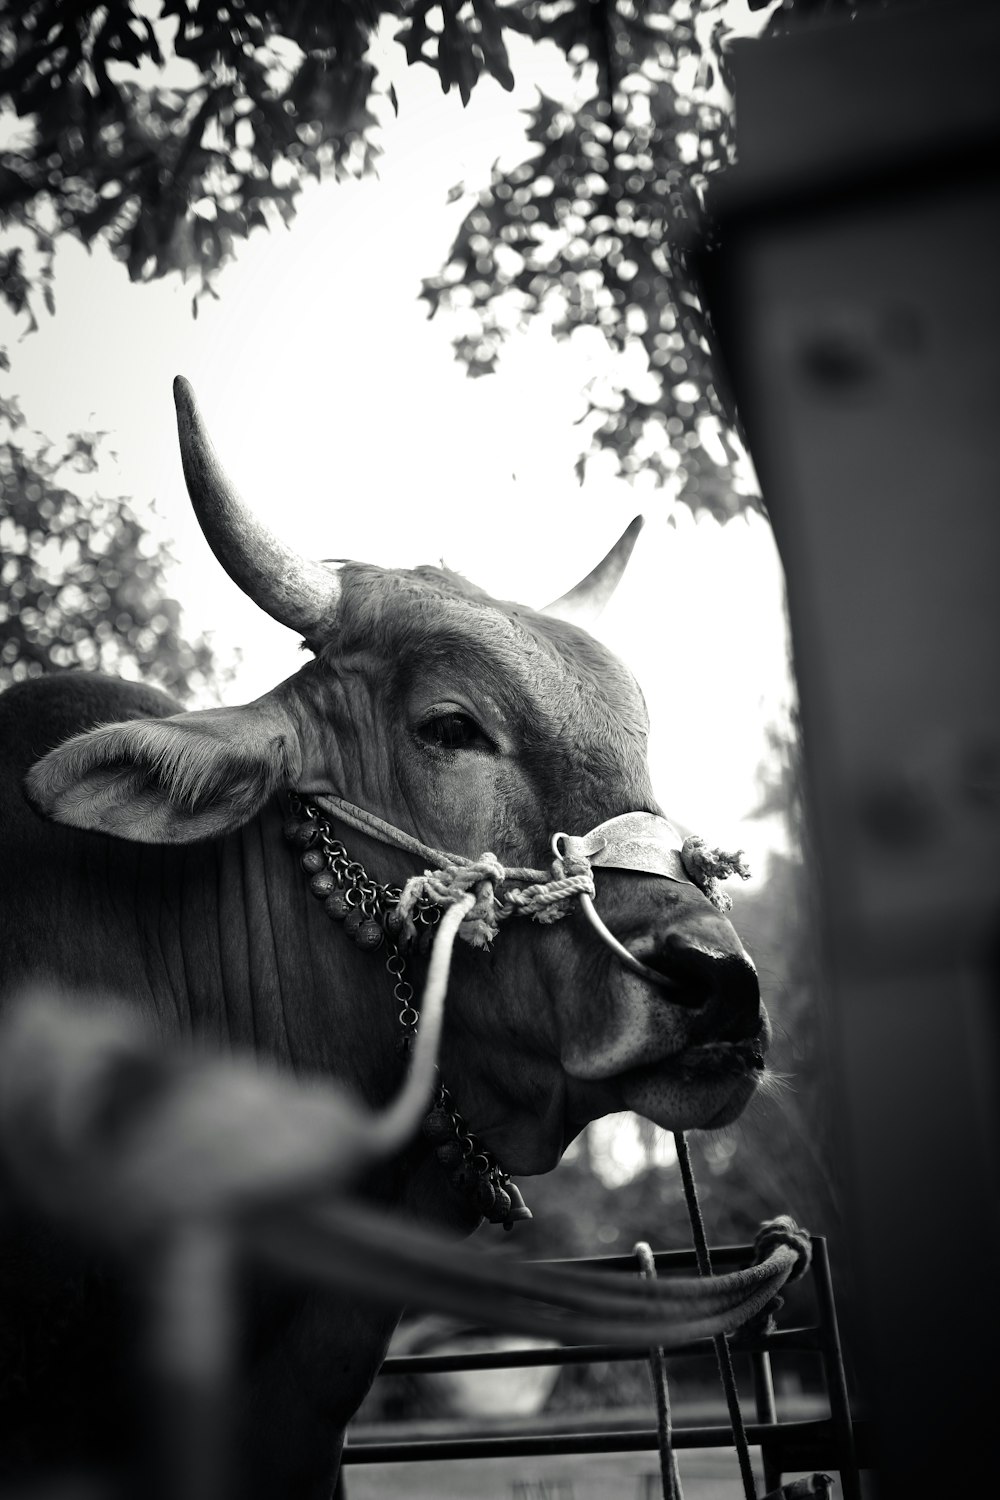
[(195, 1135), (102, 1128)]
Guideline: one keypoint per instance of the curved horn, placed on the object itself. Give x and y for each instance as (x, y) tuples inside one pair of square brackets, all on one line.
[(295, 591), (584, 603)]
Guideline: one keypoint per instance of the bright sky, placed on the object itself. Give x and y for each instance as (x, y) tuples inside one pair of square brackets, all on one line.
[(343, 417)]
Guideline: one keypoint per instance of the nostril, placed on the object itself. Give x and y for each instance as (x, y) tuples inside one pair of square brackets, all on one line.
[(723, 985)]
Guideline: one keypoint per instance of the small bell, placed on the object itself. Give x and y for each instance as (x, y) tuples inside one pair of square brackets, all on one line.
[(518, 1208), (392, 921), (313, 861), (404, 1043), (438, 1125), (369, 935), (485, 1197), (302, 834), (462, 1178), (323, 883), (336, 906), (450, 1153), (353, 920), (501, 1205)]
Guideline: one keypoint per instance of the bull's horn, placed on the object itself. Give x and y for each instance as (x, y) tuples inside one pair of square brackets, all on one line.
[(584, 603), (294, 590)]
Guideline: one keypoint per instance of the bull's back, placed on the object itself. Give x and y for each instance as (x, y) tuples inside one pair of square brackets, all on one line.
[(50, 874)]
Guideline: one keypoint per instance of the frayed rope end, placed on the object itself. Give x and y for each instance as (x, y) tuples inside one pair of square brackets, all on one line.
[(707, 867)]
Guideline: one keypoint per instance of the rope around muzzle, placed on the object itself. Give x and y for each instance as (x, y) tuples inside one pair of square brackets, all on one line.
[(500, 891)]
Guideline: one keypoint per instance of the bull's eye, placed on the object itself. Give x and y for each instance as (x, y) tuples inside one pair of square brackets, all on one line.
[(453, 731)]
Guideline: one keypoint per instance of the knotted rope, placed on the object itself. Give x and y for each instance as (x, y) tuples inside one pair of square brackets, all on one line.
[(548, 900), (450, 883), (543, 895), (545, 900)]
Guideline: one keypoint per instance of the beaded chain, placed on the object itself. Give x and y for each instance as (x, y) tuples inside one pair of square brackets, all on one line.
[(369, 913)]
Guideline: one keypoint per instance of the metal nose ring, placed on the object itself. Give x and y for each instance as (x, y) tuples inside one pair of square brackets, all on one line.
[(653, 976)]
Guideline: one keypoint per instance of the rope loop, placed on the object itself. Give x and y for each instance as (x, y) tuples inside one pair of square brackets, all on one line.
[(784, 1231)]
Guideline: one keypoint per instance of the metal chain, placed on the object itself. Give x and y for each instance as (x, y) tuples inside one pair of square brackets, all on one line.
[(369, 913)]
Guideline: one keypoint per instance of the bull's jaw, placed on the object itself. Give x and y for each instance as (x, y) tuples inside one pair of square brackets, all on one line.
[(648, 1058), (526, 1117)]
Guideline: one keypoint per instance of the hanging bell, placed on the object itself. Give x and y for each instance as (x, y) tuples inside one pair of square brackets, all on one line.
[(485, 1197), (336, 906), (323, 883), (368, 935), (450, 1153), (301, 834), (438, 1124), (392, 921), (518, 1208), (353, 920), (313, 861)]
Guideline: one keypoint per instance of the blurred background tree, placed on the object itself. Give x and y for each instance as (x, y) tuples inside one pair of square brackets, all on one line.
[(82, 584)]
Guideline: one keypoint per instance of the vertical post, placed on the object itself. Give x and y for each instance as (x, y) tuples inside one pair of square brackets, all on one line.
[(858, 300), (189, 1363), (833, 1368), (766, 1412)]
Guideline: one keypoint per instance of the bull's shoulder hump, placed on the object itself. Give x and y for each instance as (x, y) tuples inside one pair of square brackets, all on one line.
[(79, 699), (42, 712)]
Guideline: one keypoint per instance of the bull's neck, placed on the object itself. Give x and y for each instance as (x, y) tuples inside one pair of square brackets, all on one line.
[(237, 952)]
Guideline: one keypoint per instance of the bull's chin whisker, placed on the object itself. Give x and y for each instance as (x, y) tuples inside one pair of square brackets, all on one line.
[(775, 1085)]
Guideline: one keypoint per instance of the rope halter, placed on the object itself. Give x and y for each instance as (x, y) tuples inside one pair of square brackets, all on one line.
[(640, 842)]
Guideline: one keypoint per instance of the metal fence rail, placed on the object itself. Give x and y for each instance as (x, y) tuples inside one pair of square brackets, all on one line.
[(834, 1442)]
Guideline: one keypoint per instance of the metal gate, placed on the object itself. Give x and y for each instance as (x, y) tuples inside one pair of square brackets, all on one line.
[(833, 1442)]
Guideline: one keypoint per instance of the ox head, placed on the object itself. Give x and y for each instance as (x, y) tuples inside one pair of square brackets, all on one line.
[(472, 724)]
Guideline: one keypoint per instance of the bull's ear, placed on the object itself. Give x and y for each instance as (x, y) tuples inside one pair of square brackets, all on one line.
[(171, 781)]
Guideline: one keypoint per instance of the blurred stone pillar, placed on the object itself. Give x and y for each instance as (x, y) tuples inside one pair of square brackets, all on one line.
[(857, 296)]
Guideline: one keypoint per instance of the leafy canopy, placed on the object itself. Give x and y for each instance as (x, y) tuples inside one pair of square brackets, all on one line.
[(169, 129)]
